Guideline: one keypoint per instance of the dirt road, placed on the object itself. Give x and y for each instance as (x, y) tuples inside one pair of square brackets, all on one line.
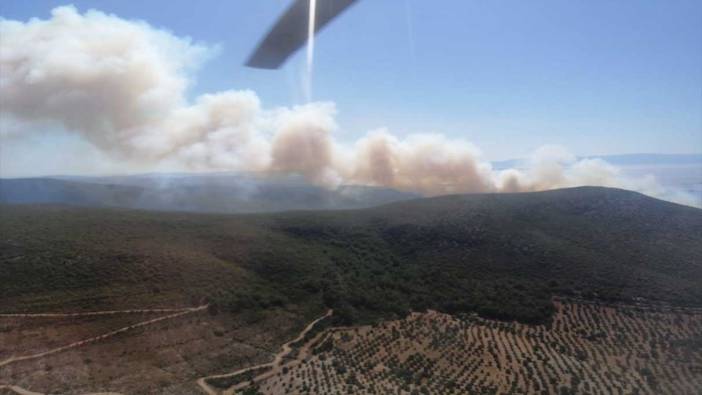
[(100, 337), (275, 365), (22, 391), (92, 313)]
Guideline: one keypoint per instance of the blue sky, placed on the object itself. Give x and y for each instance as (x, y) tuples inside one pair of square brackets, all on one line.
[(598, 77)]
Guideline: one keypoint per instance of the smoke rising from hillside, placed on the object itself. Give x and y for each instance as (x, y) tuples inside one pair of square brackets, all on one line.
[(121, 85)]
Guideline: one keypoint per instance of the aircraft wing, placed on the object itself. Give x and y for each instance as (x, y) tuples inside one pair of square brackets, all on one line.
[(290, 31)]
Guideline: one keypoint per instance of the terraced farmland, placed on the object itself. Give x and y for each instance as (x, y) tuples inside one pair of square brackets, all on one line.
[(587, 348)]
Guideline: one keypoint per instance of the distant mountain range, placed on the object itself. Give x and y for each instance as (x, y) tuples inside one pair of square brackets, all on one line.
[(224, 193), (677, 172), (624, 160), (249, 193)]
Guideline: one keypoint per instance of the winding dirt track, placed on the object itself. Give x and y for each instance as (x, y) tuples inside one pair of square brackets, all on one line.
[(101, 337), (19, 390), (22, 391), (92, 313), (275, 365)]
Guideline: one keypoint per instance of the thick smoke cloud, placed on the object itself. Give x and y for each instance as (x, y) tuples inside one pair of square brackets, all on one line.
[(121, 86), (430, 164), (109, 79)]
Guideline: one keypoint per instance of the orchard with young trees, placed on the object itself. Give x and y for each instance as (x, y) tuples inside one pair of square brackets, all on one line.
[(587, 348)]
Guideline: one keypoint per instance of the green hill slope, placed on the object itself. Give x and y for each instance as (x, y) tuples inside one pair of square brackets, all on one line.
[(501, 255)]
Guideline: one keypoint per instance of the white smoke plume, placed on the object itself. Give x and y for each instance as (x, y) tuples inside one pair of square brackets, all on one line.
[(121, 86)]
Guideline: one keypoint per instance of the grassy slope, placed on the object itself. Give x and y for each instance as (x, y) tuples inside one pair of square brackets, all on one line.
[(501, 255)]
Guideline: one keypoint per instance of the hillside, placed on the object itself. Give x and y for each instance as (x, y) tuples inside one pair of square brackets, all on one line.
[(213, 193), (501, 255)]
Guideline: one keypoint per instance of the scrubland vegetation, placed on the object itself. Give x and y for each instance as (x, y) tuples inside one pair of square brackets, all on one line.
[(502, 256), (492, 263)]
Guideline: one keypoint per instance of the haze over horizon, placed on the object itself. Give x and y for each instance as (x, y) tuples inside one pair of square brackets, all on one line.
[(140, 108)]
